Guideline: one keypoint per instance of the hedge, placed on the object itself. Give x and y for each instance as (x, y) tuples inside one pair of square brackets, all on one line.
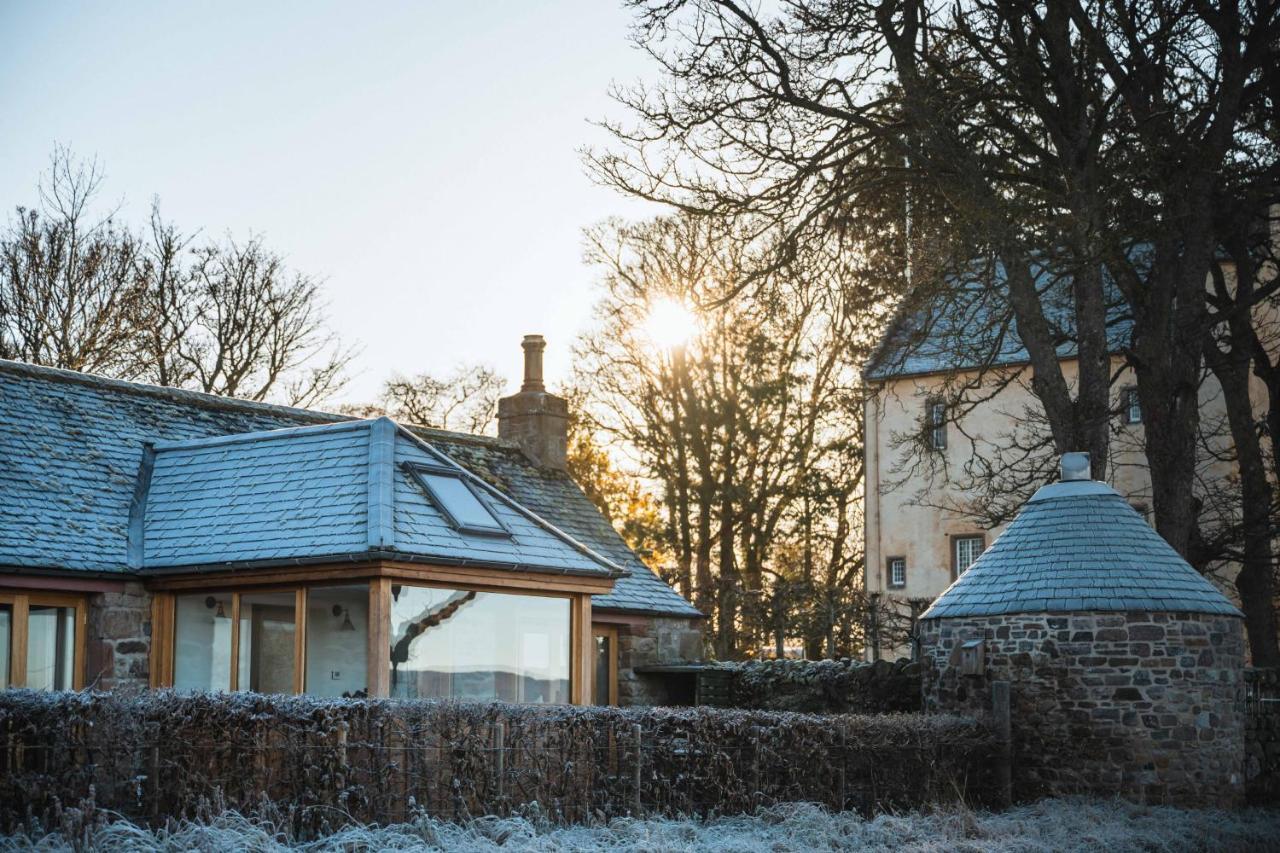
[(158, 755)]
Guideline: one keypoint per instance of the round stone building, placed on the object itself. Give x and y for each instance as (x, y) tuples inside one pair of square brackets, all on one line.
[(1125, 665)]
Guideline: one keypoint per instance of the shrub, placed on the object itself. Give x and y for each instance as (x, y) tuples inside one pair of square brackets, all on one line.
[(161, 754), (826, 686)]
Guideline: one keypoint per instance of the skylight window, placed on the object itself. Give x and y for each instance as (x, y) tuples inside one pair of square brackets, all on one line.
[(456, 499)]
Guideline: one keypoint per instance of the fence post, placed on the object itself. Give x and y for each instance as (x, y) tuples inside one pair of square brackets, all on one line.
[(155, 782), (635, 779), (1002, 717), (844, 761), (499, 744)]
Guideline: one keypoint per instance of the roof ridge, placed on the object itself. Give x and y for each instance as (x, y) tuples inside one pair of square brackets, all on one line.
[(207, 400), (179, 395)]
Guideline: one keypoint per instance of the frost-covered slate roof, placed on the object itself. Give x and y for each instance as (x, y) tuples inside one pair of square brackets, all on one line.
[(1078, 546), (324, 492), (71, 445), (968, 323)]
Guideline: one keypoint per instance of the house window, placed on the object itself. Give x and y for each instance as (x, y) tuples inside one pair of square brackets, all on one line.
[(937, 420), (1130, 407), (604, 671), (965, 550), (42, 640), (467, 644), (278, 641), (897, 572), (457, 499)]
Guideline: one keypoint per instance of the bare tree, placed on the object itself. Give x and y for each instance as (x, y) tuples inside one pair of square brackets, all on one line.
[(69, 293), (748, 427), (466, 400), (82, 292)]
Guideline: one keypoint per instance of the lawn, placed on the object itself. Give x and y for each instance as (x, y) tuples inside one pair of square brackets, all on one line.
[(1051, 825)]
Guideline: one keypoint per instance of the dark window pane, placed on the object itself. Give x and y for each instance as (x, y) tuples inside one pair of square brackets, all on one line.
[(604, 651), (266, 642)]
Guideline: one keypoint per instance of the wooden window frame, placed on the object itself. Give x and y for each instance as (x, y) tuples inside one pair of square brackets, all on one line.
[(20, 607), (888, 572), (955, 561), (610, 633), (576, 590), (937, 426)]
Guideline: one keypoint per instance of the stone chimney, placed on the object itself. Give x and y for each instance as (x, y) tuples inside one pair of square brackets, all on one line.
[(534, 419)]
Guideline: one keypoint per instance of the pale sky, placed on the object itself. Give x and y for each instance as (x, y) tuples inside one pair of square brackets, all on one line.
[(419, 157)]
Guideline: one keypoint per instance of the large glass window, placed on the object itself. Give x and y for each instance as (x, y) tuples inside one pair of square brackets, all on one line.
[(267, 630), (41, 642), (604, 676), (462, 644), (202, 649), (337, 653)]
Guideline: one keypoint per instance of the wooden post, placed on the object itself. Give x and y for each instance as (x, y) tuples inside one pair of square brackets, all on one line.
[(582, 651), (300, 640), (1002, 718), (379, 654), (636, 730), (155, 782), (844, 761), (499, 745)]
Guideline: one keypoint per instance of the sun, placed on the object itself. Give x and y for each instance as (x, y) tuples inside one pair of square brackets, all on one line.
[(670, 324)]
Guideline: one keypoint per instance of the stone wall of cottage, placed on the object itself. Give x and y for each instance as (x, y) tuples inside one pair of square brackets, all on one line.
[(652, 642), (118, 647), (1146, 706)]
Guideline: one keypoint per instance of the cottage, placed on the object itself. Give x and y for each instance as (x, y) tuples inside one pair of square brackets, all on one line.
[(152, 536)]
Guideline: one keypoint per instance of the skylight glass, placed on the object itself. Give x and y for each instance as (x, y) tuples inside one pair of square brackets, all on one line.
[(456, 499)]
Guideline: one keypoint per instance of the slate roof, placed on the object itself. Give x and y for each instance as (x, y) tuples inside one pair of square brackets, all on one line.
[(968, 323), (71, 445), (328, 492), (1078, 546)]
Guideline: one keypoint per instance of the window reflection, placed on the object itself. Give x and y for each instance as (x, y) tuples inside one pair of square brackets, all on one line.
[(603, 669), (337, 651), (449, 643), (6, 641), (266, 642), (202, 654), (51, 647)]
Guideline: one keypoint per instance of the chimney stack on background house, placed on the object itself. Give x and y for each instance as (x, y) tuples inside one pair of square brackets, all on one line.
[(534, 419)]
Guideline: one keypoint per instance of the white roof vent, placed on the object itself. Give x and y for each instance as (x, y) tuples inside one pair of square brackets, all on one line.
[(1075, 466)]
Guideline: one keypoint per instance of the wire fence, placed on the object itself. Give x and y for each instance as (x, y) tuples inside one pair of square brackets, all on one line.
[(163, 755)]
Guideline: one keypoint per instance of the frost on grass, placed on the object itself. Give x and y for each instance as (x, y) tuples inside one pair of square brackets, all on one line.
[(1050, 825)]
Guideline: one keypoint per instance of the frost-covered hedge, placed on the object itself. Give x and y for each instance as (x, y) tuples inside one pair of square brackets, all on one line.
[(842, 686), (158, 755)]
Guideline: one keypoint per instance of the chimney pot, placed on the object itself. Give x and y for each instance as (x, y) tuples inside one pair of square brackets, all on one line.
[(1076, 466), (533, 347)]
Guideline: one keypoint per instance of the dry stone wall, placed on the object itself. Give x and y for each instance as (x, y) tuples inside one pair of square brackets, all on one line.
[(1147, 706), (652, 642)]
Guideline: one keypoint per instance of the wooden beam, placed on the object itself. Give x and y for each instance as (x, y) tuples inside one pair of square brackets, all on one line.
[(534, 583), (300, 640), (378, 662), (61, 583), (18, 648), (233, 678), (81, 640), (581, 646), (162, 639)]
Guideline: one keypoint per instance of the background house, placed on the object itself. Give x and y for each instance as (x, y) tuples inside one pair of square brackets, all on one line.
[(951, 443), (156, 536)]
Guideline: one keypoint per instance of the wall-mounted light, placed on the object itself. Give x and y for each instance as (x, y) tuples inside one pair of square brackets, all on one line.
[(345, 613), (211, 603)]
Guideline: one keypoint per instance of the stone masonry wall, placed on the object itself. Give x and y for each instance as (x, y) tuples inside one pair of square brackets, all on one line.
[(119, 638), (651, 643), (1146, 706)]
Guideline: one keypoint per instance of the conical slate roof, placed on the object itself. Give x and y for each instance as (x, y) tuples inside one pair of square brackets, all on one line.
[(1078, 546)]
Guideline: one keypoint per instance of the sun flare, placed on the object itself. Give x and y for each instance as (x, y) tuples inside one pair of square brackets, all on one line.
[(670, 324)]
